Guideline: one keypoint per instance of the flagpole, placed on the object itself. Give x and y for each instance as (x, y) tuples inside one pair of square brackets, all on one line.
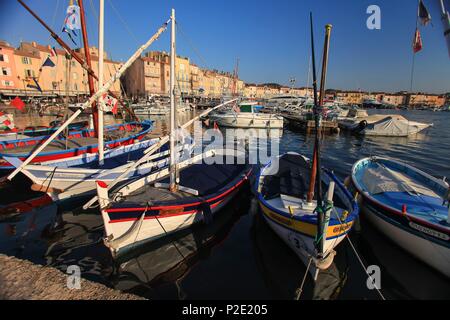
[(100, 81), (414, 54), (173, 118), (87, 54)]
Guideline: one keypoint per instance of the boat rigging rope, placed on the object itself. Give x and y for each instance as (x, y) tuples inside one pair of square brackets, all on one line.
[(205, 64), (360, 260), (173, 243), (123, 22), (300, 289)]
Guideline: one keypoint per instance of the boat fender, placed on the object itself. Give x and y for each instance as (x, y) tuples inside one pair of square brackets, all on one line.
[(361, 126), (325, 262)]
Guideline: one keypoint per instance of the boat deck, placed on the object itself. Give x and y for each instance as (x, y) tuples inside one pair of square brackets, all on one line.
[(206, 179), (396, 186), (147, 193)]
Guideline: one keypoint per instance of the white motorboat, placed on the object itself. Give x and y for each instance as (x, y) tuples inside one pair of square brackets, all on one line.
[(247, 116)]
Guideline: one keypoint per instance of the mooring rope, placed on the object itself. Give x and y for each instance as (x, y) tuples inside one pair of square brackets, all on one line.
[(300, 289)]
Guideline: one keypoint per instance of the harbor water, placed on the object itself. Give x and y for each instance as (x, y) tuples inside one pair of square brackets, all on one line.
[(237, 256)]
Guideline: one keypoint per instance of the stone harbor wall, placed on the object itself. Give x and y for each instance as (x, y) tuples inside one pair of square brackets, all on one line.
[(21, 279)]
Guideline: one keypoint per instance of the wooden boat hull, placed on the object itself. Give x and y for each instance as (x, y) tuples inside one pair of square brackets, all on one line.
[(128, 224), (436, 256), (73, 182), (300, 232), (427, 241), (76, 151)]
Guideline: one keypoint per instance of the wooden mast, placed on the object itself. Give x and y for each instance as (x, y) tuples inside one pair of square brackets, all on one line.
[(173, 114), (87, 55), (315, 179), (101, 104)]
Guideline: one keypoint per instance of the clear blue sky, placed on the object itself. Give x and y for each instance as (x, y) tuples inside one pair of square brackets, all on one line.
[(271, 38)]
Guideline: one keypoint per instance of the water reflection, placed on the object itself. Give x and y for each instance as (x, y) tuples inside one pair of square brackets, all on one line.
[(237, 255), (157, 269)]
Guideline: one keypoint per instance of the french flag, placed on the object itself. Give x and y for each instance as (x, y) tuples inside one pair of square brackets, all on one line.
[(53, 52)]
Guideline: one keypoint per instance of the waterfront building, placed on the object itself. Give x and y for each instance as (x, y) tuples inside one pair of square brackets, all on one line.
[(23, 64)]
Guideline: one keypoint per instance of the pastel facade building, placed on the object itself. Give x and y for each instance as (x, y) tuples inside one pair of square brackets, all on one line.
[(25, 63), (8, 74)]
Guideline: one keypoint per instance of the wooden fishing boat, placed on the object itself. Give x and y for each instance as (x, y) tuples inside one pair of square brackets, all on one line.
[(281, 191), (76, 177), (78, 143), (145, 209), (11, 138), (408, 205), (174, 198)]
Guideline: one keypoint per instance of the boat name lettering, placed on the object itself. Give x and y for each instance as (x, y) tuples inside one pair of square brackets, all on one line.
[(429, 231)]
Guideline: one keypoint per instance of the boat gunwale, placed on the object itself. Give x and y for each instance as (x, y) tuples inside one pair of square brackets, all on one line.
[(310, 219)]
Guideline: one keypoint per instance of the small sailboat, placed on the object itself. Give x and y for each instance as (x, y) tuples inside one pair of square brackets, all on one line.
[(76, 177), (282, 194), (174, 198), (408, 205), (76, 144), (285, 190)]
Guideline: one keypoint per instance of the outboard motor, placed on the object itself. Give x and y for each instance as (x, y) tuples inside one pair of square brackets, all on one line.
[(360, 127)]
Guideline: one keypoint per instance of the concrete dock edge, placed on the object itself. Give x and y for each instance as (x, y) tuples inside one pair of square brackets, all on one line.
[(24, 280)]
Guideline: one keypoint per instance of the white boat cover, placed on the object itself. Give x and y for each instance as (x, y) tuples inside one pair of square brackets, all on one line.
[(382, 179), (393, 126)]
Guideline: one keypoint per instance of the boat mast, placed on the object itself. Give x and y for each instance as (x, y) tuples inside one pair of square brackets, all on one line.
[(173, 118), (315, 179), (100, 81), (87, 55)]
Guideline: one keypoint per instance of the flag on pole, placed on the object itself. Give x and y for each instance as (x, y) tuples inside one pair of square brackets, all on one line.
[(32, 83), (18, 103), (417, 42), (72, 21), (53, 52), (423, 14), (48, 63), (111, 103)]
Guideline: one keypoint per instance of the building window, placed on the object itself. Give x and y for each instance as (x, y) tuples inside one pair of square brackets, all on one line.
[(4, 57), (29, 73), (8, 83), (26, 60), (73, 63), (6, 71), (75, 87), (55, 85), (75, 76)]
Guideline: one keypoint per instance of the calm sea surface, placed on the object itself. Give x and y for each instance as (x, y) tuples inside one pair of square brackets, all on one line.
[(238, 256)]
